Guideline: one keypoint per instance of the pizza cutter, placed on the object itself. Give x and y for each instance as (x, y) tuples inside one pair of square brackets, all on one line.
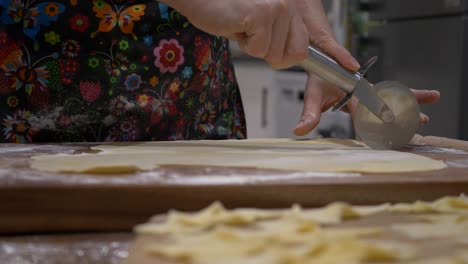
[(387, 115)]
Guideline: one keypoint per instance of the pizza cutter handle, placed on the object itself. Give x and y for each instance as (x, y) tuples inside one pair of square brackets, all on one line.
[(329, 69)]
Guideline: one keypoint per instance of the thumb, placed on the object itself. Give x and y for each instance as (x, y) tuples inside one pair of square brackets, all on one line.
[(312, 109), (343, 56)]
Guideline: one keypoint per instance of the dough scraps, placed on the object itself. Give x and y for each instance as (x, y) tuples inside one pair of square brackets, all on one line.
[(449, 218), (225, 246), (216, 214), (297, 235), (448, 204), (277, 154), (289, 236), (433, 230)]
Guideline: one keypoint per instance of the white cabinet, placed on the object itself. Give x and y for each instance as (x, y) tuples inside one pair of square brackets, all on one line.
[(255, 80)]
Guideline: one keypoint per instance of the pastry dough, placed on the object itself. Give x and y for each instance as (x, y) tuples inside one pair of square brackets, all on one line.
[(277, 154), (216, 214), (448, 204), (337, 212), (220, 247), (433, 230), (449, 218), (207, 218), (297, 235), (459, 258), (215, 236)]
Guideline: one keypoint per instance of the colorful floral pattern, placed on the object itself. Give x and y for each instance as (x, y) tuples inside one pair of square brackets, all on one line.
[(112, 70), (79, 23), (52, 38), (16, 127), (169, 55)]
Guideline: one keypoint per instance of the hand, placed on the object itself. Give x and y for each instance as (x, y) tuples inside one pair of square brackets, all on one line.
[(321, 35), (273, 30), (321, 95)]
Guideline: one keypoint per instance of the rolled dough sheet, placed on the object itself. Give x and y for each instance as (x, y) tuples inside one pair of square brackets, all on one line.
[(276, 154)]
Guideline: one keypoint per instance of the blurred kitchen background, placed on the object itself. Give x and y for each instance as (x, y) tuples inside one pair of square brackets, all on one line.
[(422, 43)]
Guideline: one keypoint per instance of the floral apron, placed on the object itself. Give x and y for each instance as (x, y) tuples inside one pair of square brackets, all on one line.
[(121, 70)]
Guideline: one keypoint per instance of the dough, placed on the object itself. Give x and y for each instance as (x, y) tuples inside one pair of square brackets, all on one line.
[(297, 235), (287, 236), (445, 217), (277, 154), (460, 257), (216, 214), (433, 230), (221, 247), (338, 212), (207, 218), (215, 235), (440, 142), (448, 218), (448, 204)]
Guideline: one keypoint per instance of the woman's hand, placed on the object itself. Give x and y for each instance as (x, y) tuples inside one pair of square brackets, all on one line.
[(321, 35), (277, 31), (321, 95), (273, 30)]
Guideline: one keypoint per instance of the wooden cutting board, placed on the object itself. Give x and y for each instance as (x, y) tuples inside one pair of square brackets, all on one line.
[(35, 201)]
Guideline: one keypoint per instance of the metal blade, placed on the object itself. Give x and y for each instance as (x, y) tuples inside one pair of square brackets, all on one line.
[(368, 97), (394, 135)]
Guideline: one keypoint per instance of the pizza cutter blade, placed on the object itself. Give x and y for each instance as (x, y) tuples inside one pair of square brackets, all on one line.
[(387, 115), (378, 134)]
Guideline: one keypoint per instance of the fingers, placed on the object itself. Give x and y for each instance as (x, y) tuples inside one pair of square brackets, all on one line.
[(314, 101), (255, 42), (426, 96), (423, 119), (328, 44), (280, 32), (295, 49), (311, 111), (321, 33), (279, 35)]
